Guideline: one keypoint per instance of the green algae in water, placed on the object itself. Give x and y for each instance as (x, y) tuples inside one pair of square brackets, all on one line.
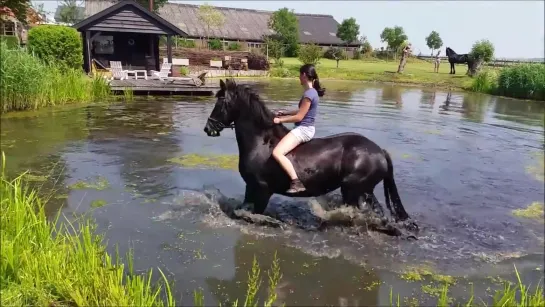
[(100, 184), (61, 196), (419, 274), (207, 161), (97, 203), (35, 178), (538, 169), (534, 211)]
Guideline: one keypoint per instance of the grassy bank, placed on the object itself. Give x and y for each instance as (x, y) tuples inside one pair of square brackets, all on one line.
[(525, 81), (28, 84), (48, 263), (417, 72), (58, 263)]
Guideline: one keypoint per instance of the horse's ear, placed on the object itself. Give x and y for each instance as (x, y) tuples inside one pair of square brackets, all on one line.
[(222, 85)]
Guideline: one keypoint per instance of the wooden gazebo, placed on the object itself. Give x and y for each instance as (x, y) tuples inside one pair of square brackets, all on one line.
[(125, 32)]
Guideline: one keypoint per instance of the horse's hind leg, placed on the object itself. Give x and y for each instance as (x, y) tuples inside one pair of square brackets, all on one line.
[(261, 200)]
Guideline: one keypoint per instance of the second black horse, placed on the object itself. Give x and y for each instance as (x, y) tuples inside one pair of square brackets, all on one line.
[(348, 160)]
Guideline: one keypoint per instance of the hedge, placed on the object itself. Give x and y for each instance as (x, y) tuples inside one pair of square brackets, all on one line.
[(61, 45)]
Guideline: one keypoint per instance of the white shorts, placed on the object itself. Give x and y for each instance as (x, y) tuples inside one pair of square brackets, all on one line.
[(303, 133)]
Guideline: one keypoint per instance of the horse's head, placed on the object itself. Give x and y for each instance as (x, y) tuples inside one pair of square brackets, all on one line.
[(225, 111)]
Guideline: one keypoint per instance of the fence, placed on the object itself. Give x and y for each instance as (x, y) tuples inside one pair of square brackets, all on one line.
[(493, 63)]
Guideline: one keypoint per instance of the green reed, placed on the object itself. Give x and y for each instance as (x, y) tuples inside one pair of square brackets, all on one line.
[(525, 81), (53, 263), (28, 83)]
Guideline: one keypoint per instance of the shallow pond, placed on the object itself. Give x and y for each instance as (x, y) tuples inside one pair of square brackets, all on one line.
[(464, 163)]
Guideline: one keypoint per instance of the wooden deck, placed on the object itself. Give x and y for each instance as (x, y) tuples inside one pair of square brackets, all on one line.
[(177, 87)]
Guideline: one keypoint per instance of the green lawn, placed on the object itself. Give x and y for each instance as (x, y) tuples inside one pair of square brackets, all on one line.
[(416, 72)]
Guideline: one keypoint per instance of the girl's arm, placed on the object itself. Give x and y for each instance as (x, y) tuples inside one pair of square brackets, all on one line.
[(285, 112), (299, 114)]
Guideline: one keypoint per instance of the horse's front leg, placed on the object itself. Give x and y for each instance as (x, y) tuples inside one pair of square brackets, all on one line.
[(261, 197), (249, 197)]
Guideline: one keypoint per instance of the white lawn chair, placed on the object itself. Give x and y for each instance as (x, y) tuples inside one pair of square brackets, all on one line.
[(117, 71), (163, 74), (197, 80)]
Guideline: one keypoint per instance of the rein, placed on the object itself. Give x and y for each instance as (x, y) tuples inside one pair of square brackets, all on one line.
[(217, 125)]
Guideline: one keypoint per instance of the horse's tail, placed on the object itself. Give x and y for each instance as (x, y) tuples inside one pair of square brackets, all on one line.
[(390, 191)]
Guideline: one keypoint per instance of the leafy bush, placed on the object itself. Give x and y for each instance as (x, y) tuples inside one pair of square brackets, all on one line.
[(310, 54), (257, 62), (357, 55), (184, 71), (185, 43), (234, 46), (333, 53), (11, 41), (280, 72), (526, 81), (58, 45), (366, 48), (483, 50), (215, 44), (485, 82)]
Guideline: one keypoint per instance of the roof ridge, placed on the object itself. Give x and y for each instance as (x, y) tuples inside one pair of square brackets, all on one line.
[(247, 10)]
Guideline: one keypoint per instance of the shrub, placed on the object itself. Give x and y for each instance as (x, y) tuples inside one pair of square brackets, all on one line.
[(485, 82), (257, 62), (483, 50), (57, 45), (184, 71), (357, 55), (215, 44), (234, 46), (333, 53), (366, 48), (281, 72), (185, 43), (526, 81), (11, 41), (310, 54)]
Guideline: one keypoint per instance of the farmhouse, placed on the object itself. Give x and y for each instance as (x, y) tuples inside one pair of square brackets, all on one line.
[(244, 26)]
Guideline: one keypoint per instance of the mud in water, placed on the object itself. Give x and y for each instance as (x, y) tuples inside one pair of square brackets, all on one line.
[(466, 170)]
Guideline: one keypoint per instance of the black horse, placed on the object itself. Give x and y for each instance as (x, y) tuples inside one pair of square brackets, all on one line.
[(454, 58), (349, 160)]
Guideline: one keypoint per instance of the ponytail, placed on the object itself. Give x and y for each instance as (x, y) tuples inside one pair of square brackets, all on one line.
[(316, 85)]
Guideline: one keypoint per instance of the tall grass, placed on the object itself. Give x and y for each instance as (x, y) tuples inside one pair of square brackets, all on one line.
[(51, 263), (28, 83), (525, 81)]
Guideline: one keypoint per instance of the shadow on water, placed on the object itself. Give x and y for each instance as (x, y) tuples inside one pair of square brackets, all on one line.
[(461, 164)]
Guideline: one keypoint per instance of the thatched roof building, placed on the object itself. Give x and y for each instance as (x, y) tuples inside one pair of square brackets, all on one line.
[(240, 24)]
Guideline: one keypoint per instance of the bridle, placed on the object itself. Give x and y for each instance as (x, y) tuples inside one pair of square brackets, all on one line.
[(217, 125)]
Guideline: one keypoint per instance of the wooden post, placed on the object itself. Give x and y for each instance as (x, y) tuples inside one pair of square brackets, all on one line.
[(88, 64), (169, 48)]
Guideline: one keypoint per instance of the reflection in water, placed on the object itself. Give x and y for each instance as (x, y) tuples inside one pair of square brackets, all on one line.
[(306, 280), (451, 164)]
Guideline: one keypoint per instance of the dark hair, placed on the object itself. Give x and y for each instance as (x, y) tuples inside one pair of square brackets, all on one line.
[(310, 71)]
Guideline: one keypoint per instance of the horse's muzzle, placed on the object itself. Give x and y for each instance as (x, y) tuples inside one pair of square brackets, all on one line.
[(210, 131)]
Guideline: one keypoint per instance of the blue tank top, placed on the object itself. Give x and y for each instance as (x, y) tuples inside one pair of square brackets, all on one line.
[(310, 117)]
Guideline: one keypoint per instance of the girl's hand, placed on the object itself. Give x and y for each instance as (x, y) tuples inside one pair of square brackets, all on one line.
[(276, 120), (280, 113)]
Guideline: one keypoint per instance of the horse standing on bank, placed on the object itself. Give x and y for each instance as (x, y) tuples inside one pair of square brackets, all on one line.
[(454, 58), (348, 160)]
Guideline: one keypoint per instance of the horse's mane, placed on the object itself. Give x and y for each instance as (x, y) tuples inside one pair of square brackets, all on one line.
[(254, 105), (256, 108)]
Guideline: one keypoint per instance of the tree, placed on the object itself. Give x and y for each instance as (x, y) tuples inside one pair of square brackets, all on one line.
[(433, 41), (275, 48), (310, 54), (366, 47), (394, 37), (348, 31), (70, 12), (211, 17), (284, 23), (16, 7), (482, 51)]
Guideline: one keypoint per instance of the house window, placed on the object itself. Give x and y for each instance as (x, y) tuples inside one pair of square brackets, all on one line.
[(306, 33), (103, 44), (8, 28), (255, 45), (332, 34)]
